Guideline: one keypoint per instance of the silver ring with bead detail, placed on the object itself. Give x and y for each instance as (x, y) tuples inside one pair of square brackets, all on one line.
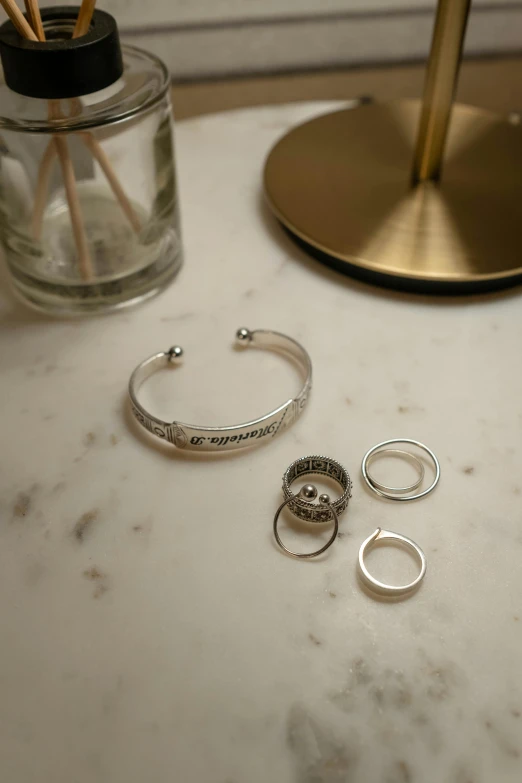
[(303, 504), (322, 466)]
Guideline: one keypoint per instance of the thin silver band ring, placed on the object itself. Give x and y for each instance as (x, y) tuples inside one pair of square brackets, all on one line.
[(305, 555), (407, 455), (389, 495), (381, 536)]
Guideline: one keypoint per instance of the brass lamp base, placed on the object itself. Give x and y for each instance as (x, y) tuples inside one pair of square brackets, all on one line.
[(341, 184)]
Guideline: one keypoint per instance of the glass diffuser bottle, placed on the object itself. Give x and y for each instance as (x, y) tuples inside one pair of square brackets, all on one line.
[(88, 202)]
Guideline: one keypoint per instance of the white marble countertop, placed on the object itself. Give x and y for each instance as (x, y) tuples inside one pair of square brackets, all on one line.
[(151, 631)]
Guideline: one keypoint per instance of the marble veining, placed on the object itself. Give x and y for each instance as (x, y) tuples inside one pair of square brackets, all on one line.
[(151, 629)]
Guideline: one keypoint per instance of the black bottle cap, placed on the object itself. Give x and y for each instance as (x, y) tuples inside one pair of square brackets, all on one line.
[(61, 66)]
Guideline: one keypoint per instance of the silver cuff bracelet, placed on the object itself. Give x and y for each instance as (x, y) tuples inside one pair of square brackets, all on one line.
[(196, 438)]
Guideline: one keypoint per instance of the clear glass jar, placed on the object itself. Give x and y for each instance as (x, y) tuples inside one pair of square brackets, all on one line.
[(118, 241)]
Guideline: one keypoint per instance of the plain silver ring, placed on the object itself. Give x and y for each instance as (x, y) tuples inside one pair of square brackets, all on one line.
[(411, 458), (389, 495), (380, 587), (306, 555)]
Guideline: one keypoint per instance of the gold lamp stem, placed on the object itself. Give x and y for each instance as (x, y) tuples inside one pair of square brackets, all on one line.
[(439, 89)]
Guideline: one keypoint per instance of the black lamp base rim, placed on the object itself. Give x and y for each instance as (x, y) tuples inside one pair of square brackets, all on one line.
[(411, 285)]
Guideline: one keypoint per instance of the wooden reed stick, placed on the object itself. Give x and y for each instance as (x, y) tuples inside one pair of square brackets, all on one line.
[(74, 207), (84, 18), (75, 211), (81, 28), (18, 19), (60, 144), (33, 12), (100, 155), (46, 163)]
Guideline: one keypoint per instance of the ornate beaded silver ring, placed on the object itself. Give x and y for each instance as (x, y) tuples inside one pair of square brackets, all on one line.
[(324, 466)]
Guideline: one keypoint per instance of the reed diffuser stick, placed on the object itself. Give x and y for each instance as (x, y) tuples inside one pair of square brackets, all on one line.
[(46, 164), (100, 155), (18, 19), (81, 28), (60, 143), (33, 12), (84, 18), (75, 209)]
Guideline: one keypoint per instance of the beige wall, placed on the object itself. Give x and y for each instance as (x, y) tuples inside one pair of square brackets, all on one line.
[(199, 38)]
